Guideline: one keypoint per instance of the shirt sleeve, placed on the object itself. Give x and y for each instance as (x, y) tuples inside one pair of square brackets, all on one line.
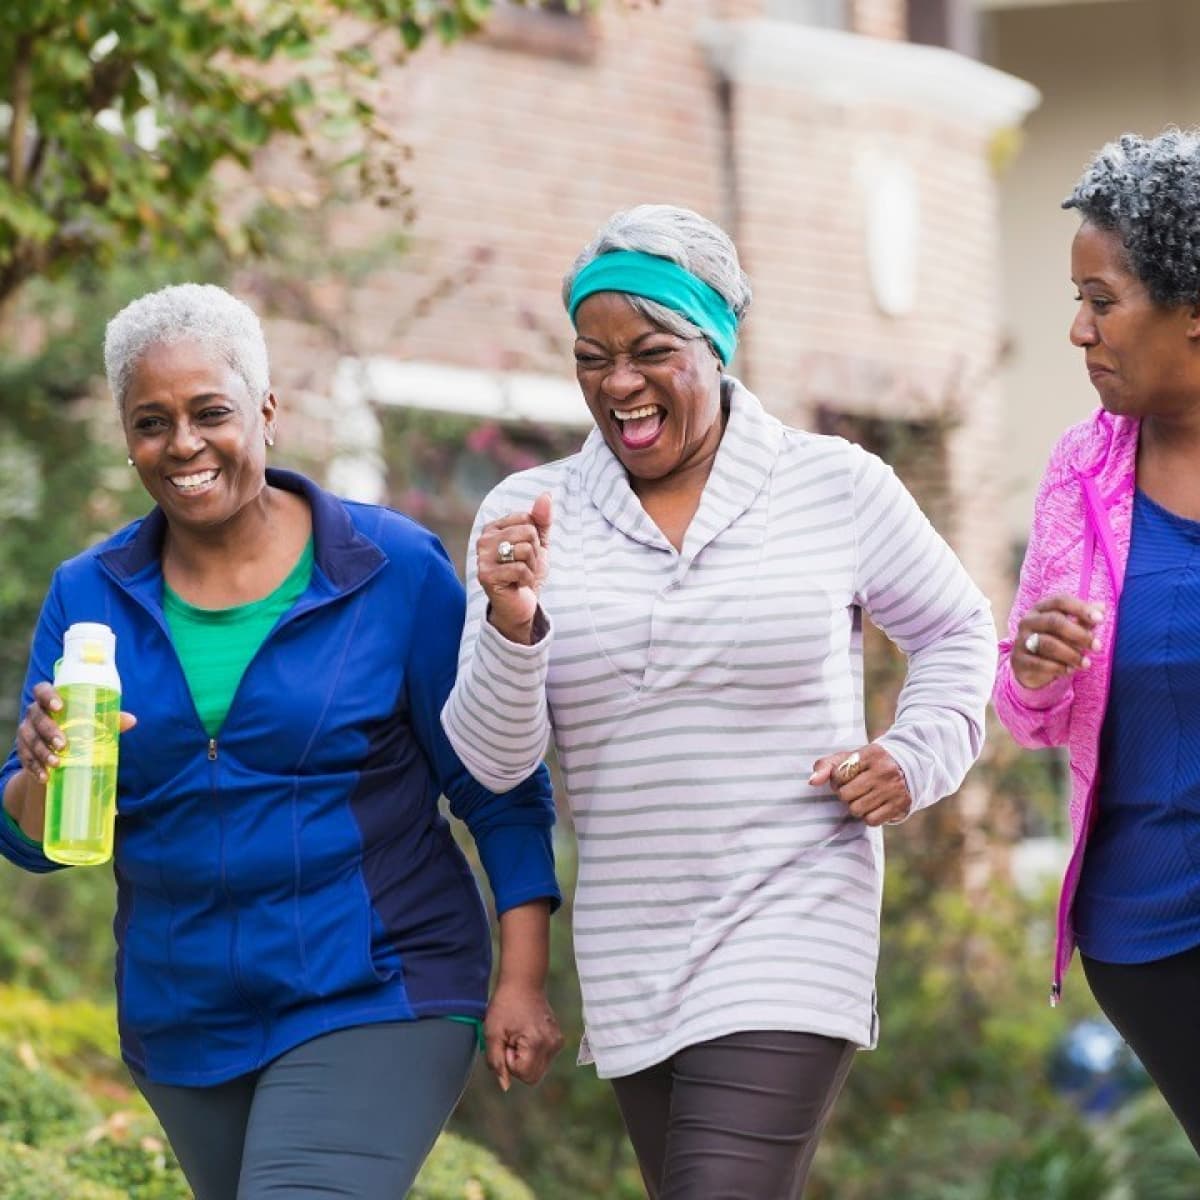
[(511, 825), (914, 588), (1036, 717), (19, 849), (497, 717)]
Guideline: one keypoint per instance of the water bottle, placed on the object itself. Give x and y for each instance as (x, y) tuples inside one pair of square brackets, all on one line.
[(81, 794)]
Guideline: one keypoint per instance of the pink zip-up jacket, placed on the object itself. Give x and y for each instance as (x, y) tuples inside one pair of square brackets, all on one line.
[(1079, 544)]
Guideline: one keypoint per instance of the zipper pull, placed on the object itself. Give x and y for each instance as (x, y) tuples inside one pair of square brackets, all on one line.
[(212, 749), (1055, 994)]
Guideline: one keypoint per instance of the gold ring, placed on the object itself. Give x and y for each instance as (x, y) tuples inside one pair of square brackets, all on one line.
[(847, 769)]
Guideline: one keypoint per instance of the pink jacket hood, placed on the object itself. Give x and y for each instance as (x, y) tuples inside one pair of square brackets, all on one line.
[(1079, 544)]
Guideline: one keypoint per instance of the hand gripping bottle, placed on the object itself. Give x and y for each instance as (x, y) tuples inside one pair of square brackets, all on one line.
[(81, 795)]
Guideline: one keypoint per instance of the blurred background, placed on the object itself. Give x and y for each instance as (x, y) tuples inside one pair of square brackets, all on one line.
[(398, 186)]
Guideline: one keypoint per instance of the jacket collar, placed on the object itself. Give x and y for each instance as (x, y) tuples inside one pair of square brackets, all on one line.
[(743, 464), (1109, 453), (344, 556)]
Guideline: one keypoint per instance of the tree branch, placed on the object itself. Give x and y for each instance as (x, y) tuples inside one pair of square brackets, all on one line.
[(22, 101)]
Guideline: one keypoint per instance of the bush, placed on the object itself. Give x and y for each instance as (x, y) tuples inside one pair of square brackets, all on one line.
[(460, 1170), (37, 1104), (28, 1174), (1156, 1159), (129, 1154), (976, 1155)]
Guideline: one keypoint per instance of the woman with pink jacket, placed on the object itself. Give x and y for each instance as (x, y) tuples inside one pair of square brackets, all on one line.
[(1103, 646)]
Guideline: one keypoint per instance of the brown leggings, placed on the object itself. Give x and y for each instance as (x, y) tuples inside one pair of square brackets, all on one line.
[(737, 1118)]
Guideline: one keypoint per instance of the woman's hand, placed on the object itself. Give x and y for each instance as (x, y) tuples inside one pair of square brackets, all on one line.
[(1054, 639), (512, 562), (867, 781), (39, 742), (521, 1032)]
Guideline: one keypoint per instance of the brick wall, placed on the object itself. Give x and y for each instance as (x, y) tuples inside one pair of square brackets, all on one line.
[(523, 142)]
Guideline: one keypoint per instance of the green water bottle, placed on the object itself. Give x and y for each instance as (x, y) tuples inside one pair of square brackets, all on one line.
[(81, 795)]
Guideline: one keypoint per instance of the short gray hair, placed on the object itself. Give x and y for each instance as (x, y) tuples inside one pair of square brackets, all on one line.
[(1147, 192), (200, 312), (687, 239)]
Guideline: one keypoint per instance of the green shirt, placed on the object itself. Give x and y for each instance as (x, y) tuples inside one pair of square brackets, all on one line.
[(215, 645)]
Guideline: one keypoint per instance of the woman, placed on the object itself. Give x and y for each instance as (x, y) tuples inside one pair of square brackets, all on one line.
[(680, 602), (1101, 654), (298, 937)]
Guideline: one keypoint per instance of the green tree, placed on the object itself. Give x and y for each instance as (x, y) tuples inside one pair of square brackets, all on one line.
[(114, 117)]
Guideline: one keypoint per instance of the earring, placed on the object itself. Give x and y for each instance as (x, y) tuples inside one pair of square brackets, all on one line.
[(270, 440), (129, 461)]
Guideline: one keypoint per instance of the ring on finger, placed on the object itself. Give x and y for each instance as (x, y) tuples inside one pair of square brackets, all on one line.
[(506, 552), (847, 769), (1032, 641)]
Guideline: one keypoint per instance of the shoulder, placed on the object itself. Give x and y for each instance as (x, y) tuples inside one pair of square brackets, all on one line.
[(1092, 445), (394, 533), (829, 459), (86, 563)]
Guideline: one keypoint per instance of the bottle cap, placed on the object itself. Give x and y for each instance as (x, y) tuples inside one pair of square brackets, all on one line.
[(89, 642)]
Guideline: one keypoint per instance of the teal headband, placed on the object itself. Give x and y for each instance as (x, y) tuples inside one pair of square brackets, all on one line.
[(654, 278)]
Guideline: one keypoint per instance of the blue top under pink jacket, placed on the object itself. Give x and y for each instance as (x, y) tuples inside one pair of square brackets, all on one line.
[(1079, 544), (293, 875)]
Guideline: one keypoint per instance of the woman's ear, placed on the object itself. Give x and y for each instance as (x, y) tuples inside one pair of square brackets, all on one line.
[(1193, 325)]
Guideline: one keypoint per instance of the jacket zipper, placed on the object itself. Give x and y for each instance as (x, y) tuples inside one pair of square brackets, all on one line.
[(1097, 535)]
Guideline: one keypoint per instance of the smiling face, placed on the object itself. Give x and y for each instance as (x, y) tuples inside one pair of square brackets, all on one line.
[(195, 434), (1142, 357), (655, 396)]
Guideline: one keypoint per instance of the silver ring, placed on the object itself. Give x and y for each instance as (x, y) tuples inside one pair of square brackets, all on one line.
[(1031, 642), (506, 552)]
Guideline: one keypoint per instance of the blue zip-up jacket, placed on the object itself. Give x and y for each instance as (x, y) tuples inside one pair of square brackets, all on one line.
[(293, 875)]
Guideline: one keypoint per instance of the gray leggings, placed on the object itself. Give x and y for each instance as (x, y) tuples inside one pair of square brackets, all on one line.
[(736, 1118), (352, 1113)]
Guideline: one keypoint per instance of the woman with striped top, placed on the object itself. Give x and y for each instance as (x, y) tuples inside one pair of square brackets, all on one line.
[(692, 637)]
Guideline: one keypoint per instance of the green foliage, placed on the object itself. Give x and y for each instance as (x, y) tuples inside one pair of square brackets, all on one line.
[(37, 1104), (459, 1170), (118, 115), (1154, 1156), (28, 1174), (131, 1156), (77, 1034)]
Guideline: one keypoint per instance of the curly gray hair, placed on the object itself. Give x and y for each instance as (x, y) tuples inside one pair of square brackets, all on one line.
[(199, 312), (1147, 191), (687, 239)]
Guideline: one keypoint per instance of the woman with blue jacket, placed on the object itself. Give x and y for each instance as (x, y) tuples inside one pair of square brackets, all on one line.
[(303, 955)]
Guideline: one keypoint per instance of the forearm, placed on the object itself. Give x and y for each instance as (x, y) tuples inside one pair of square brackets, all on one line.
[(525, 945), (497, 717), (25, 802)]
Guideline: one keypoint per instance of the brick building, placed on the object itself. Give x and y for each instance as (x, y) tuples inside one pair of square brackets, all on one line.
[(855, 169)]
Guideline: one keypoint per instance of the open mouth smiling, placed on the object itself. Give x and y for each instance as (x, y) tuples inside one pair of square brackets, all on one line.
[(639, 427), (194, 481)]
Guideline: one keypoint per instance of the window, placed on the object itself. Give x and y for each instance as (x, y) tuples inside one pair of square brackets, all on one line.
[(553, 28), (950, 23)]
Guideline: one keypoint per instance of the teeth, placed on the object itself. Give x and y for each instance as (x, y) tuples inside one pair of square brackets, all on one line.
[(647, 410), (189, 483)]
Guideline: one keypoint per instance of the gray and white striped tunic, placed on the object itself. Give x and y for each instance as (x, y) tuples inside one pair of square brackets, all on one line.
[(689, 694)]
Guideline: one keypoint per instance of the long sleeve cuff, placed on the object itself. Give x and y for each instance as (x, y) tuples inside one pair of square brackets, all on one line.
[(21, 850), (519, 861), (496, 716)]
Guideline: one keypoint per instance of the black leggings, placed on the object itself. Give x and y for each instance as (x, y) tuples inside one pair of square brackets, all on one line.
[(351, 1113), (1155, 1007), (737, 1118)]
